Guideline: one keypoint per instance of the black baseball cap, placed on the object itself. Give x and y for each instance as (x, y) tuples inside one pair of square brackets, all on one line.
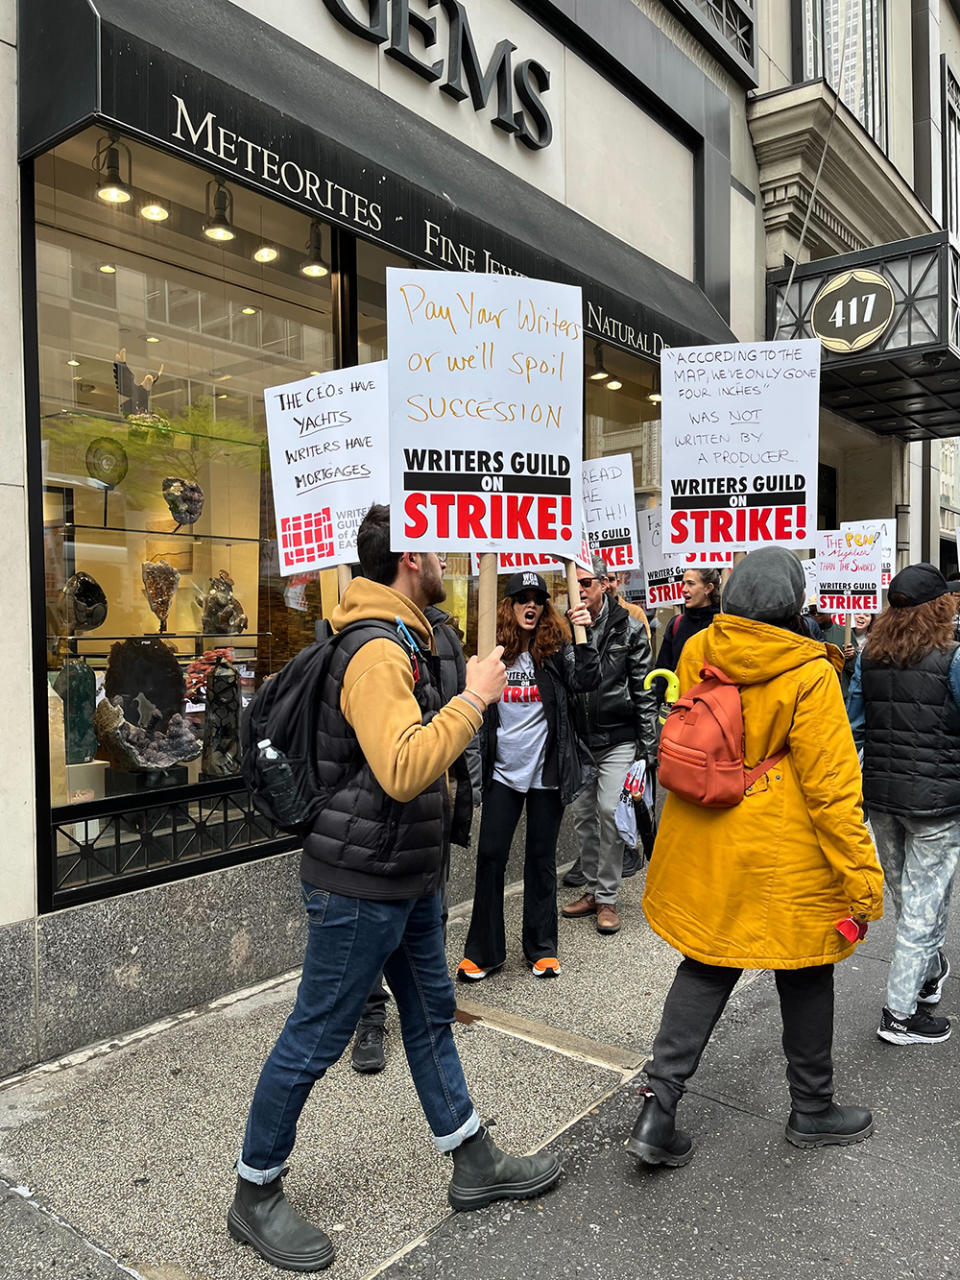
[(918, 583), (528, 581)]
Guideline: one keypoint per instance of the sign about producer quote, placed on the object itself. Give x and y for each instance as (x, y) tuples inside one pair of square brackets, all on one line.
[(740, 445), (327, 463), (486, 412), (664, 573), (609, 507), (849, 573)]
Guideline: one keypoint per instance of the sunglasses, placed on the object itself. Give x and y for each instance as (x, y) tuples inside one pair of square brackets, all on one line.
[(586, 582), (528, 597)]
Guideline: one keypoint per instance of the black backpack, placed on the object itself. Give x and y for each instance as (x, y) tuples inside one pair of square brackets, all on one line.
[(278, 732)]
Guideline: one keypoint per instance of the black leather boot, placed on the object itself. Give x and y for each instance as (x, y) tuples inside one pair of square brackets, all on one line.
[(834, 1127), (483, 1173), (656, 1138), (262, 1217)]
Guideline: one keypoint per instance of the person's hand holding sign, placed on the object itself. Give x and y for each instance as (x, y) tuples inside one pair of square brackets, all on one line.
[(579, 616), (486, 678)]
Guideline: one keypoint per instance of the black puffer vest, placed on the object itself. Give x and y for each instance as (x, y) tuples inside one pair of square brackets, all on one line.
[(364, 844), (911, 752)]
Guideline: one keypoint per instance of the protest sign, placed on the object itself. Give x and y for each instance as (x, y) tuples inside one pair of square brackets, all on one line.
[(610, 510), (849, 573), (633, 588), (486, 412), (740, 445), (327, 438), (811, 581), (664, 574), (880, 531)]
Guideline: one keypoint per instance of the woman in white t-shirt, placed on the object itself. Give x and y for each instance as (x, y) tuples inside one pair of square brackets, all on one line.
[(532, 758)]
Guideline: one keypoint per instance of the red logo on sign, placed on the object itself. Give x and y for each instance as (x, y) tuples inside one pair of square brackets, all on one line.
[(306, 538)]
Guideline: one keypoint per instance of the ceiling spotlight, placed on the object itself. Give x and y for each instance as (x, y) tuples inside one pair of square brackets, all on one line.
[(154, 211), (315, 373), (219, 224), (74, 364), (614, 384), (152, 339), (107, 269), (111, 188), (248, 311), (266, 253), (655, 397), (599, 374), (313, 265)]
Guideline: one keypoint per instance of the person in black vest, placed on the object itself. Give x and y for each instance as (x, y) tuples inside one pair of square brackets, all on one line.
[(370, 873), (701, 604), (904, 709), (368, 1056)]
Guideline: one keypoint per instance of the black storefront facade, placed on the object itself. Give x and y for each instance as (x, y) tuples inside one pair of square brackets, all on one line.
[(160, 889)]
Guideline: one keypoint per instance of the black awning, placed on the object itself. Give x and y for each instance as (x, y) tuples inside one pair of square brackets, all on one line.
[(891, 315), (129, 61)]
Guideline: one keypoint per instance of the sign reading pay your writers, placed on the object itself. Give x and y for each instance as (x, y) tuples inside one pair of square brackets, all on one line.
[(849, 570), (486, 409), (740, 445), (327, 463)]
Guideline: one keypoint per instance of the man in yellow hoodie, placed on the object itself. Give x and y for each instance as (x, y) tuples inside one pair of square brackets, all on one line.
[(370, 872)]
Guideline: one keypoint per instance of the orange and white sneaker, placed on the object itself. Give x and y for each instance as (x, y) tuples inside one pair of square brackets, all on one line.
[(467, 971), (546, 967)]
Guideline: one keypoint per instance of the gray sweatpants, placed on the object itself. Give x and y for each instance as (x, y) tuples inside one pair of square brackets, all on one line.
[(919, 858), (601, 846)]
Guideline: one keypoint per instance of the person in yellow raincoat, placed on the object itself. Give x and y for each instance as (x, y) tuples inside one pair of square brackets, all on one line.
[(764, 885)]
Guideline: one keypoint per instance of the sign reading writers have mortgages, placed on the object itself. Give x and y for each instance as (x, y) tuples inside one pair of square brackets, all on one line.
[(327, 463), (740, 445), (486, 410)]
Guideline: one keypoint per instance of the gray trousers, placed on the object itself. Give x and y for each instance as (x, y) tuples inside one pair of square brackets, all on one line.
[(919, 858), (601, 846)]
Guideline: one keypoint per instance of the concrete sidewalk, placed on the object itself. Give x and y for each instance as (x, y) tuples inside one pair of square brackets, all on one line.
[(123, 1156)]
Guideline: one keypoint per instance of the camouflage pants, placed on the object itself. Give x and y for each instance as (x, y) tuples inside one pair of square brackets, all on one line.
[(919, 857)]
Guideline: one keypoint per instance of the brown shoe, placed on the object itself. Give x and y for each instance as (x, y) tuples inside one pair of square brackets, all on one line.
[(608, 918), (584, 906)]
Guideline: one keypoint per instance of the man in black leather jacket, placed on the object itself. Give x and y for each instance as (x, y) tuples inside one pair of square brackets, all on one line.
[(619, 725)]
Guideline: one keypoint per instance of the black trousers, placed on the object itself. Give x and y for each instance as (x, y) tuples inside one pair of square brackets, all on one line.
[(693, 1007), (486, 943)]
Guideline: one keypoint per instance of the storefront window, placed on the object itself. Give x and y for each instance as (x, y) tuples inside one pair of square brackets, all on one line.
[(156, 342)]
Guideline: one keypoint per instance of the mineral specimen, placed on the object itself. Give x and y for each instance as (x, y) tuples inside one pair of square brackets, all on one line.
[(134, 748), (106, 461), (77, 686), (84, 604), (184, 498), (140, 723), (223, 613), (221, 729), (160, 584)]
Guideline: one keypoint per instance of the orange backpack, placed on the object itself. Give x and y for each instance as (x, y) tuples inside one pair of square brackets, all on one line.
[(701, 745)]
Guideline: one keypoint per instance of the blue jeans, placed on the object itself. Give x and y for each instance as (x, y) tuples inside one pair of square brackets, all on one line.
[(350, 941)]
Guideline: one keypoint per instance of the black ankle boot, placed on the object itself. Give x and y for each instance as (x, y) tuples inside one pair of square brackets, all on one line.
[(656, 1138), (483, 1173), (834, 1127), (262, 1217)]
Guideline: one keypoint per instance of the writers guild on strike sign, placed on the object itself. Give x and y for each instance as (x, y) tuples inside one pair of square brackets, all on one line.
[(733, 510)]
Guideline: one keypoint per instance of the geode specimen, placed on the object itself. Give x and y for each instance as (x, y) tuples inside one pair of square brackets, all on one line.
[(106, 461), (184, 498), (77, 686), (160, 583), (223, 613), (84, 604), (137, 749), (221, 730)]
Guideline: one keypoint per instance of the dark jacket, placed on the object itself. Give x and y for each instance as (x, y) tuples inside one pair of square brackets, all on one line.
[(571, 670), (911, 748), (468, 770), (679, 630), (620, 710)]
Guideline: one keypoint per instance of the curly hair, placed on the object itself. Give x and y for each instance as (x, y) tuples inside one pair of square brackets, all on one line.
[(901, 637), (551, 634)]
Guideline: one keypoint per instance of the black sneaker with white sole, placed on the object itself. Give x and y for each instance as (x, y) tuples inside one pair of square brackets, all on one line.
[(920, 1028), (932, 989)]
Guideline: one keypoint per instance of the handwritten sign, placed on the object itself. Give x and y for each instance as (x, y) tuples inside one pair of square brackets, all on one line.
[(327, 463), (849, 573), (883, 532), (486, 412), (610, 511), (664, 574), (811, 580), (740, 444)]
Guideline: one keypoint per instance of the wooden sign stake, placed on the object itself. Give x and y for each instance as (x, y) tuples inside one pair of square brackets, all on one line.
[(344, 578), (573, 598), (487, 605)]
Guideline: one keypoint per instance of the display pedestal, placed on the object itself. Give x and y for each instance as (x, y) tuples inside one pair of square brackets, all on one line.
[(86, 777), (123, 782)]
